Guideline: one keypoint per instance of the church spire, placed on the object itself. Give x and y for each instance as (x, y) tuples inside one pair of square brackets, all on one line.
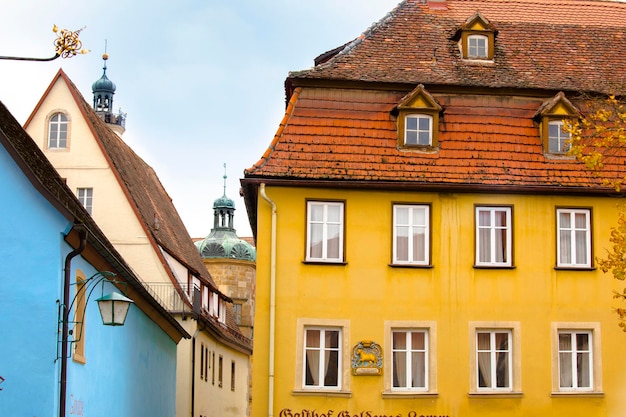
[(103, 91), (224, 210)]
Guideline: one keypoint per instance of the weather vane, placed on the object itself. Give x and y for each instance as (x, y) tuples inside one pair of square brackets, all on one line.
[(66, 45), (225, 176)]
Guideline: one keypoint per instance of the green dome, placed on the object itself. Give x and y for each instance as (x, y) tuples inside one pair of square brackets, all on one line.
[(103, 85), (224, 244), (223, 202)]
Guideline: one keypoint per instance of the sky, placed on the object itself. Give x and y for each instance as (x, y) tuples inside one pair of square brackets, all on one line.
[(201, 81)]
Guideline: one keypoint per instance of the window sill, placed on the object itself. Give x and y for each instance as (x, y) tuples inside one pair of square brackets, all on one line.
[(494, 266), (559, 156), (479, 61), (499, 394), (78, 358), (574, 268), (322, 393), (591, 394), (419, 148), (419, 266), (343, 263), (410, 394)]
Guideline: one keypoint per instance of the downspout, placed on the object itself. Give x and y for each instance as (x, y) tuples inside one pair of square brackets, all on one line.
[(67, 272), (196, 310), (193, 373), (270, 395)]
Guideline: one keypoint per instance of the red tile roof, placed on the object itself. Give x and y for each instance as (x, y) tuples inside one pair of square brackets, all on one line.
[(340, 130), (568, 45), (350, 135), (332, 132)]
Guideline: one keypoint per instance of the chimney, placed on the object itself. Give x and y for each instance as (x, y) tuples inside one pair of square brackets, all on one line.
[(437, 4)]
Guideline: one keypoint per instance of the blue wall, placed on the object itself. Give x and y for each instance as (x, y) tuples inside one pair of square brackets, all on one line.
[(130, 370), (30, 272)]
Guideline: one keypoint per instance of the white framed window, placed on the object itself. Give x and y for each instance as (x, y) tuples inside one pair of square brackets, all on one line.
[(576, 366), (325, 229), (477, 46), (418, 129), (412, 358), (58, 131), (496, 362), (575, 360), (493, 236), (85, 196), (411, 234), (409, 362), (557, 137), (322, 358), (493, 359), (573, 238)]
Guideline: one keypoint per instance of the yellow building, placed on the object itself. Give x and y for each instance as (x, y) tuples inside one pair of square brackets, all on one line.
[(425, 246)]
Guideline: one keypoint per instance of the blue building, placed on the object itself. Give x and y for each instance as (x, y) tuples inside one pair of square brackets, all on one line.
[(49, 245)]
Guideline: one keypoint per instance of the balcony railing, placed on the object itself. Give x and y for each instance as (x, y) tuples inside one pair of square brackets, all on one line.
[(169, 297), (178, 301)]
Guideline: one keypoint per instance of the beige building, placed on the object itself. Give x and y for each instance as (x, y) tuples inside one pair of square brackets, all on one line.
[(129, 203)]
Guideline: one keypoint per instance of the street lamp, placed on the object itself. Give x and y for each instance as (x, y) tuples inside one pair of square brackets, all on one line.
[(113, 309)]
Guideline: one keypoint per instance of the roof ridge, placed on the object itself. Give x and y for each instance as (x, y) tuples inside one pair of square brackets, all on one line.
[(349, 46)]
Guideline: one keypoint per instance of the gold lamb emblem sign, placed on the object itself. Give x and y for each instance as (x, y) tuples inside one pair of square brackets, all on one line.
[(367, 358)]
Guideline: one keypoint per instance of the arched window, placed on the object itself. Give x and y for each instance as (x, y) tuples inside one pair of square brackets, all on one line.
[(58, 131)]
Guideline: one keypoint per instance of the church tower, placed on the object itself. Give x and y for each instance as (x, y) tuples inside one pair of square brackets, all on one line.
[(103, 91), (231, 261)]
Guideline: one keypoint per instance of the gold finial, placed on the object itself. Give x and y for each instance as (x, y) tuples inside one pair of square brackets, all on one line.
[(67, 44)]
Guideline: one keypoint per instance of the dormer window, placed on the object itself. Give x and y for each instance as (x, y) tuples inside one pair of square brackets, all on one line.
[(552, 117), (477, 39), (557, 137), (418, 120), (418, 129), (477, 46)]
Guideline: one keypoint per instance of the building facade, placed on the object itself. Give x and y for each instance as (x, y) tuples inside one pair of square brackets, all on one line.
[(53, 258), (129, 203), (425, 244)]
